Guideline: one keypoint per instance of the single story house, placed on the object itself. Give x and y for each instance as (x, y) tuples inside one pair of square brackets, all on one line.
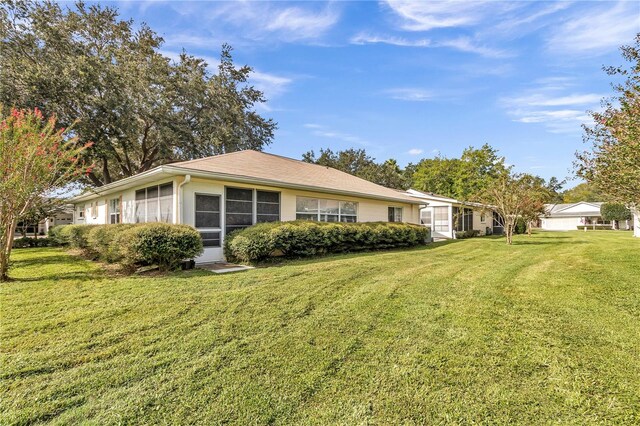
[(63, 216), (570, 217), (446, 215), (220, 194)]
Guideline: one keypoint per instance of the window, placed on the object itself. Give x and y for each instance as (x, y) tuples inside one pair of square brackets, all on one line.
[(245, 207), (326, 210), (154, 204), (463, 219), (208, 217), (441, 219), (114, 210), (267, 206), (395, 214), (425, 217), (81, 212), (94, 209), (483, 218)]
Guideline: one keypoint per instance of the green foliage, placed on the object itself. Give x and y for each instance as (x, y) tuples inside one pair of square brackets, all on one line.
[(159, 244), (29, 242), (104, 243), (358, 163), (581, 192), (520, 227), (162, 244), (615, 211), (110, 77), (55, 234), (75, 236), (462, 178), (306, 238), (612, 165), (461, 235)]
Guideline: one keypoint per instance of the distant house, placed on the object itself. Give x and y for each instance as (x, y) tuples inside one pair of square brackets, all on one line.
[(220, 194), (62, 216), (446, 215), (569, 217)]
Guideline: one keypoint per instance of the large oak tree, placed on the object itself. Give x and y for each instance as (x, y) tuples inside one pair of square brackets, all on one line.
[(109, 77)]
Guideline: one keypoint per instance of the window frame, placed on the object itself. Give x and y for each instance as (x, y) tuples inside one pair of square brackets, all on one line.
[(157, 201), (392, 214), (208, 229), (320, 213), (254, 207), (440, 227), (117, 213)]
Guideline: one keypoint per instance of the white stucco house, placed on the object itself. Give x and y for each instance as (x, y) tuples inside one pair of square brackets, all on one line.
[(573, 216), (439, 213), (220, 194)]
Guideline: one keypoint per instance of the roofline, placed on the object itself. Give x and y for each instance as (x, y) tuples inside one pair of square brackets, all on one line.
[(181, 171), (428, 196)]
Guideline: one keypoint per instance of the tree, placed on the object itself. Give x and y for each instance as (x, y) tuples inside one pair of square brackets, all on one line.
[(358, 163), (36, 158), (140, 108), (515, 196), (615, 212), (612, 165), (462, 178), (581, 192)]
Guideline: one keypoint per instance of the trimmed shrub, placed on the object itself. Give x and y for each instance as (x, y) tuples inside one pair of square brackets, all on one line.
[(76, 235), (27, 242), (101, 241), (159, 244), (521, 226), (306, 238), (55, 236), (461, 235)]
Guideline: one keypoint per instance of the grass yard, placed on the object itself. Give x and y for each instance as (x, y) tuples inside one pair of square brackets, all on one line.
[(473, 331)]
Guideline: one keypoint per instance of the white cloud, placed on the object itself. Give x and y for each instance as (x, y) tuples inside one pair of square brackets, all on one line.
[(261, 21), (428, 15), (415, 151), (601, 29), (272, 85), (302, 24), (322, 131), (363, 38), (410, 94), (464, 44), (547, 103)]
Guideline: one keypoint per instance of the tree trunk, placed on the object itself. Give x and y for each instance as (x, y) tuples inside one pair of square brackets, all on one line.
[(5, 252)]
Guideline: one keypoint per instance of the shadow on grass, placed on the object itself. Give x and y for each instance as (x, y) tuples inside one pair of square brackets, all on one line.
[(47, 260)]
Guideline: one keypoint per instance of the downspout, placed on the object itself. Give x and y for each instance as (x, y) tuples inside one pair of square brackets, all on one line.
[(186, 180)]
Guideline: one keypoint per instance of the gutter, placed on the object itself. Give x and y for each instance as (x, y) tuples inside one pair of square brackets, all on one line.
[(186, 180)]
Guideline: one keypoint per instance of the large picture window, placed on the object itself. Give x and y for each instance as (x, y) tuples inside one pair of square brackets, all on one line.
[(395, 214), (207, 219), (441, 219), (154, 204), (318, 209), (245, 207)]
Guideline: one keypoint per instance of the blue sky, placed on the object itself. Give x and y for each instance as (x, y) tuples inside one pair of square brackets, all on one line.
[(409, 80)]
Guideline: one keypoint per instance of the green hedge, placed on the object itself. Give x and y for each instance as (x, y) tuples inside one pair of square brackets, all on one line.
[(305, 238), (461, 235), (132, 245), (28, 242)]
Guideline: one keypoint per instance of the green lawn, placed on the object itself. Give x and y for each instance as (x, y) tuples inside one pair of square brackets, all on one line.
[(473, 331)]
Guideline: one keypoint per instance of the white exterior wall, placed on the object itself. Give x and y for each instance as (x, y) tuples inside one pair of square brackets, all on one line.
[(636, 223), (478, 224), (561, 223)]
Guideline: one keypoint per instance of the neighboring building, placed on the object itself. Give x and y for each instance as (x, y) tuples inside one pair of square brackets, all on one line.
[(220, 194), (63, 216), (636, 222), (440, 214), (570, 217)]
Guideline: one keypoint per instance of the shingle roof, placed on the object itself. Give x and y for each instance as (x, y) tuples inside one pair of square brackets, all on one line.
[(289, 172)]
